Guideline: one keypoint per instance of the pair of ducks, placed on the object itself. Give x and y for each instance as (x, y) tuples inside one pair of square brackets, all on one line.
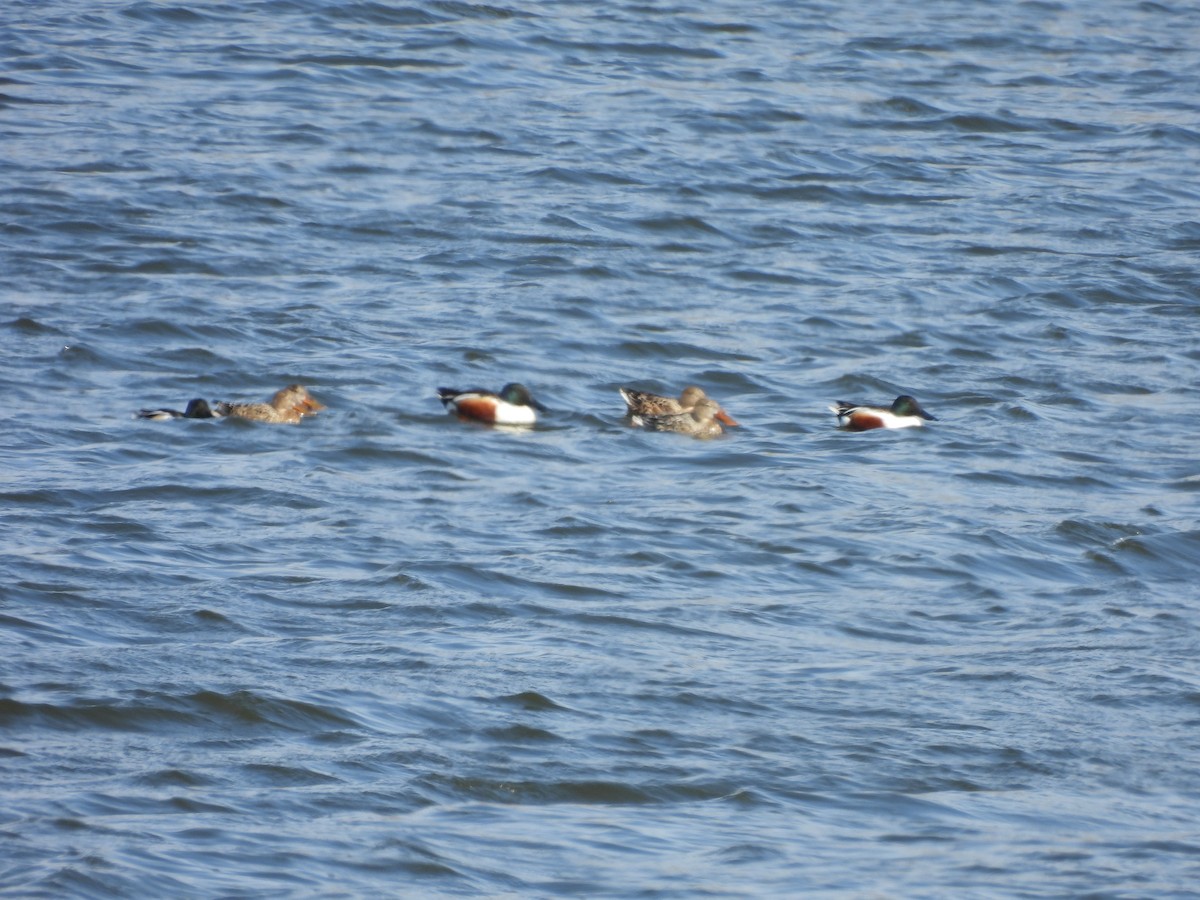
[(287, 407), (693, 413)]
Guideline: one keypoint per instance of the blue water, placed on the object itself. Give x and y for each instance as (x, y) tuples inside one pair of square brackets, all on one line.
[(384, 652)]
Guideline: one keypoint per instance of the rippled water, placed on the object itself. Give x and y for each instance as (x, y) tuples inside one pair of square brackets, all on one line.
[(387, 653)]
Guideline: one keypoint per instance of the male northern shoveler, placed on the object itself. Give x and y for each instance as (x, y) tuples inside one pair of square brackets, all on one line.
[(287, 407), (905, 413), (514, 405), (700, 421), (196, 409), (641, 403)]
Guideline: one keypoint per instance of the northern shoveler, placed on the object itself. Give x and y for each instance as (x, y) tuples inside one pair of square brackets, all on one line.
[(641, 403), (700, 421), (287, 407), (196, 409), (905, 413), (514, 405)]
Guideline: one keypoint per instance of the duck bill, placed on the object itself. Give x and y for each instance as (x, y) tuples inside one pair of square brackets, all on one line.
[(311, 406), (726, 419), (925, 415)]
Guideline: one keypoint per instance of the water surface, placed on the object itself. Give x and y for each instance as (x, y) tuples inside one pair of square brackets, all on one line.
[(385, 652)]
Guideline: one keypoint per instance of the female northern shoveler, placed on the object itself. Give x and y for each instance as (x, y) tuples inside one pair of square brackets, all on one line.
[(700, 421), (641, 403), (514, 405), (287, 407), (196, 409), (905, 413)]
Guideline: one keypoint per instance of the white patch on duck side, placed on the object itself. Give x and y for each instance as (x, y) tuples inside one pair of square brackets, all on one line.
[(511, 414)]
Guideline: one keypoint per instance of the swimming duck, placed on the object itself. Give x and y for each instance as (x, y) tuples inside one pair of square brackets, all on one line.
[(287, 407), (514, 405), (642, 403), (700, 421), (196, 409), (904, 413)]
